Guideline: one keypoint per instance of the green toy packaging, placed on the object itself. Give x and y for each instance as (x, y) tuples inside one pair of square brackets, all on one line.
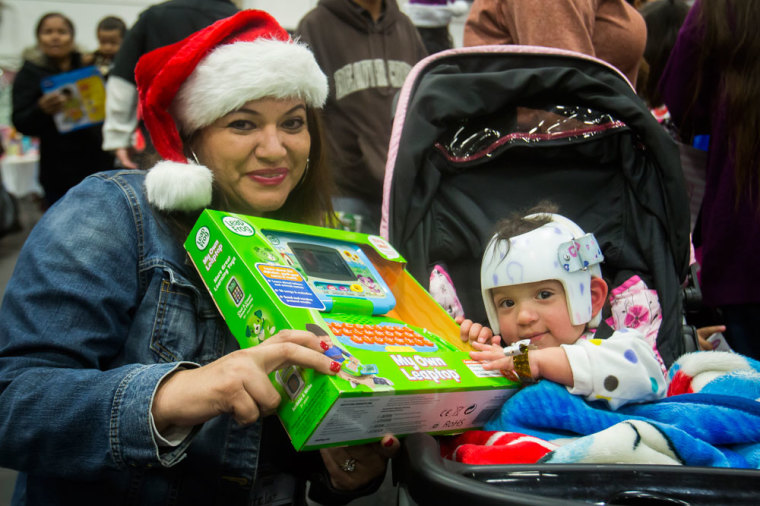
[(404, 368)]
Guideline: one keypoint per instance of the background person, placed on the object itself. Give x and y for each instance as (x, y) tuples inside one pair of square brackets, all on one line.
[(367, 48), (120, 378), (159, 25), (611, 30), (710, 87), (110, 33), (65, 158), (432, 19)]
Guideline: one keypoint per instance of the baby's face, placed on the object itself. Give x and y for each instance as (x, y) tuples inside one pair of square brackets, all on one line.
[(535, 311), (109, 41)]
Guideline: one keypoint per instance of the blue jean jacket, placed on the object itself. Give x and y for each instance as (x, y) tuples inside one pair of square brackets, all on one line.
[(102, 305)]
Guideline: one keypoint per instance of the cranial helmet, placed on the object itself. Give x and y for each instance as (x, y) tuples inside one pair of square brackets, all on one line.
[(558, 250)]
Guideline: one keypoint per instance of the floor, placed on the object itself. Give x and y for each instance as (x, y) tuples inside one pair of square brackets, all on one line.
[(9, 249)]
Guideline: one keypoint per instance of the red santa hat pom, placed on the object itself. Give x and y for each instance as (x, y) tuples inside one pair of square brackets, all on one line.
[(190, 84)]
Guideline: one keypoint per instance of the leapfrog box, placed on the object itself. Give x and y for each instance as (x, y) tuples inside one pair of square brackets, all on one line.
[(404, 368)]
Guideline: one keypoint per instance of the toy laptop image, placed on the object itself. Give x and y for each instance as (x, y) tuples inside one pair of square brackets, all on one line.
[(404, 368)]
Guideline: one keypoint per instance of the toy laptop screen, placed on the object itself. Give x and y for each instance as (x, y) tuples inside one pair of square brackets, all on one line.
[(338, 273)]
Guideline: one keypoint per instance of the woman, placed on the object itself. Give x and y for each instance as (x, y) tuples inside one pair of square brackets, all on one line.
[(710, 86), (65, 158), (119, 381)]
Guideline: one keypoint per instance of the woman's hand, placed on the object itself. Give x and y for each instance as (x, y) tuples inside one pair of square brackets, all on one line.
[(352, 467), (237, 383), (52, 102), (470, 331)]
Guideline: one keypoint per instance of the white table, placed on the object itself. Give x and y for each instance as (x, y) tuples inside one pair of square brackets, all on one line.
[(20, 175)]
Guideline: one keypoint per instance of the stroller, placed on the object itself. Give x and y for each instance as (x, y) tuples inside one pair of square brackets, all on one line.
[(483, 132)]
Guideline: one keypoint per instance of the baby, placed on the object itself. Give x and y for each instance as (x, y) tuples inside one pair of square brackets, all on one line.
[(110, 33), (543, 292)]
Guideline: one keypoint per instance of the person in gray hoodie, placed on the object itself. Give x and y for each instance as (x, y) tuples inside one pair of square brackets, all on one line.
[(366, 48)]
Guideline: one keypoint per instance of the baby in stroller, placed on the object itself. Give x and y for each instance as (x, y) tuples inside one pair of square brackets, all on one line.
[(543, 292)]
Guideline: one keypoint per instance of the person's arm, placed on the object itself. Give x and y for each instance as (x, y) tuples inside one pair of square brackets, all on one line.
[(29, 115), (121, 93), (547, 363), (121, 118), (620, 369), (65, 318)]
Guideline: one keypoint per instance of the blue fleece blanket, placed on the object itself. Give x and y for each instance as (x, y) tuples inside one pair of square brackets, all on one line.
[(711, 417)]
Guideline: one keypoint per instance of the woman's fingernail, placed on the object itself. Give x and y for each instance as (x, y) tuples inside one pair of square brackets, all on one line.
[(334, 366), (324, 345), (388, 443)]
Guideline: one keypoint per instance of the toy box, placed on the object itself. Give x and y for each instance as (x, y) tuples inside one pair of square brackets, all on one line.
[(404, 368)]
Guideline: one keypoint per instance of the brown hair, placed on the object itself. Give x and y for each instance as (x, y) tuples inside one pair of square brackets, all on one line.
[(730, 48), (109, 23), (517, 224), (663, 19)]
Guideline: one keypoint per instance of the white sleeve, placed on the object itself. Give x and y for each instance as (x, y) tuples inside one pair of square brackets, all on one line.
[(621, 369), (121, 113)]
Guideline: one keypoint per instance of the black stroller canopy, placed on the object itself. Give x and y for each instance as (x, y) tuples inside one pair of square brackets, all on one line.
[(618, 175)]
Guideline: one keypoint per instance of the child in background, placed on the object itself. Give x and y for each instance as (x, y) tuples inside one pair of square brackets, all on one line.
[(543, 292), (110, 33)]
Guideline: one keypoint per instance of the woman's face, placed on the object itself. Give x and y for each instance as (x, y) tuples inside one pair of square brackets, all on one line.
[(55, 38), (257, 153)]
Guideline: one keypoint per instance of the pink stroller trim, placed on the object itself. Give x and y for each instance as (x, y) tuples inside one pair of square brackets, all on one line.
[(409, 83)]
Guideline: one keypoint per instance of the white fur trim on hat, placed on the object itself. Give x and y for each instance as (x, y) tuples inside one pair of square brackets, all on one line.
[(234, 74), (174, 186)]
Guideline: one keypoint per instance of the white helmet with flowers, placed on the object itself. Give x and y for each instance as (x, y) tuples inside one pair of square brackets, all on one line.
[(558, 250)]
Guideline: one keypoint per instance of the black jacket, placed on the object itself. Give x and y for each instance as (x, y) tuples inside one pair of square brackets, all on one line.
[(65, 159)]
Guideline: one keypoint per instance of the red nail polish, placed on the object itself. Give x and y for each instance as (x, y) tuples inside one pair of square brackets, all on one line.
[(388, 443), (334, 366), (324, 345)]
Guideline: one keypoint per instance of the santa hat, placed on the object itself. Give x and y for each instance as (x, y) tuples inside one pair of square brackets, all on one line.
[(190, 84)]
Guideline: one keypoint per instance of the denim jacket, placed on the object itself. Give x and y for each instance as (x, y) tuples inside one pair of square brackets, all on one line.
[(102, 305)]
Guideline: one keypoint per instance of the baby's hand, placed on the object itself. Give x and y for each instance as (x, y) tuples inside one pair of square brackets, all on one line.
[(492, 356), (470, 331)]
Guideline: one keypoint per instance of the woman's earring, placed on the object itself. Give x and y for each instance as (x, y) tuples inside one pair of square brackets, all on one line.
[(303, 176), (195, 157)]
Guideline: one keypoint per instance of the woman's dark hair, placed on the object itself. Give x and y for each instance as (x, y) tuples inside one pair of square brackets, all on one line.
[(112, 23), (730, 51), (663, 19), (49, 15), (310, 202)]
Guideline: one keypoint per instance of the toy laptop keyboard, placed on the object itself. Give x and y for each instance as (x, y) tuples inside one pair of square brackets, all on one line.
[(377, 333)]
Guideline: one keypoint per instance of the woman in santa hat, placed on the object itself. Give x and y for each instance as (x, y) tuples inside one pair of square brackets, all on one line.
[(119, 382)]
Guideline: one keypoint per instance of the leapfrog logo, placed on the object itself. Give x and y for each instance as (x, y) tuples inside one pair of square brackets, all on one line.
[(238, 226), (202, 238)]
